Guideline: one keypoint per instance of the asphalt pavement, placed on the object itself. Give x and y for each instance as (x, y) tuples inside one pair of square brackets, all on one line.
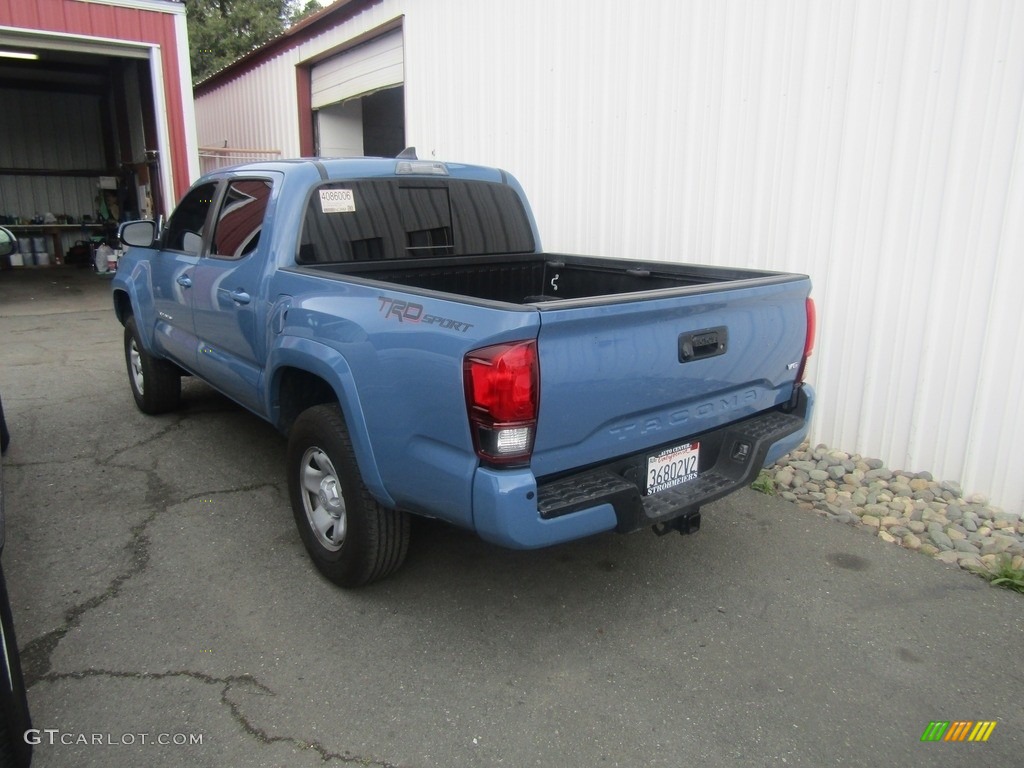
[(169, 616)]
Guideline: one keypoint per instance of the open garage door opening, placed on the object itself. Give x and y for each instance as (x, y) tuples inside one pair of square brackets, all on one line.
[(372, 125), (80, 148), (358, 98)]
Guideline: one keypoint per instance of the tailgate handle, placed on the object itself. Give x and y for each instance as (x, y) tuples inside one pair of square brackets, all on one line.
[(700, 345)]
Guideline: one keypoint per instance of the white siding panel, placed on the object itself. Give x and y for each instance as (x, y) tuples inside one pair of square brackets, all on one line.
[(253, 112), (877, 145)]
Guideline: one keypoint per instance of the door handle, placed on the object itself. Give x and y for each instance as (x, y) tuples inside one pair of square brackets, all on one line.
[(240, 297), (184, 281)]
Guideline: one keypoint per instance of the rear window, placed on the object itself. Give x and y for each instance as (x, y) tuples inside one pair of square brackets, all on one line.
[(381, 219)]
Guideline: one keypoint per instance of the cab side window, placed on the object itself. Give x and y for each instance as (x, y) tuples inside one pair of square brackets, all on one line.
[(184, 231), (240, 219)]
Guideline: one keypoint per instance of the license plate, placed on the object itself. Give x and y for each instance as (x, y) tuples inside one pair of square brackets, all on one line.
[(672, 467)]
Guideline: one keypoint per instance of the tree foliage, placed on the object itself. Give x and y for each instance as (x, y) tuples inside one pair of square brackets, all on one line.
[(220, 31)]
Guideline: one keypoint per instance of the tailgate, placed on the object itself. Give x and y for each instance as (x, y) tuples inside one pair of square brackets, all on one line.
[(621, 378)]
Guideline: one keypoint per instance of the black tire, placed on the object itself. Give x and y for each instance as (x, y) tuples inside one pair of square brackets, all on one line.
[(155, 383), (351, 538), (14, 715)]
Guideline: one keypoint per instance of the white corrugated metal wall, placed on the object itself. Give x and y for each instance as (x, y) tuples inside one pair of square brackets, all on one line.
[(258, 109), (55, 131), (874, 144)]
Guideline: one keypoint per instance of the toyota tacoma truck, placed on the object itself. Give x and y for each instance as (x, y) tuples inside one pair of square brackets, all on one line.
[(398, 320)]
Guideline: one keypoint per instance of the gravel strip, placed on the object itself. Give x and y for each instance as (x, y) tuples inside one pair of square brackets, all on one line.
[(910, 509)]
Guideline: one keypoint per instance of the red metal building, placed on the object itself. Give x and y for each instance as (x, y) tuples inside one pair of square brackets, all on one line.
[(98, 108)]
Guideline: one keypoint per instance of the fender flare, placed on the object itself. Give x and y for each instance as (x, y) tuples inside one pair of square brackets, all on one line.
[(129, 287), (330, 365)]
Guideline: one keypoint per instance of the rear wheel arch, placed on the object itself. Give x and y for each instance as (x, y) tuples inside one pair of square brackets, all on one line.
[(296, 389)]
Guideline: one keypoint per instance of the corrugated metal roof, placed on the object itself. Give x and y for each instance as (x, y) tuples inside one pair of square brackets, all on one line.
[(309, 28)]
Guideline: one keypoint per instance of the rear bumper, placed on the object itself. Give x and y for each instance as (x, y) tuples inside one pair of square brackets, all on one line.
[(512, 509)]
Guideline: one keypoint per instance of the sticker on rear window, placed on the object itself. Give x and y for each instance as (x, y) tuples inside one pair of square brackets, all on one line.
[(337, 201)]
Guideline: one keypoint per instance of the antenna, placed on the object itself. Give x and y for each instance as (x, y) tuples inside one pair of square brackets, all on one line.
[(409, 153)]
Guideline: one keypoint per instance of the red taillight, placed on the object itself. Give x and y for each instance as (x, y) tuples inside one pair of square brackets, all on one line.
[(502, 395), (812, 329)]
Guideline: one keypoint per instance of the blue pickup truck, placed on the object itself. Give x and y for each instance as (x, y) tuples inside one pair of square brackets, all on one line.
[(399, 322)]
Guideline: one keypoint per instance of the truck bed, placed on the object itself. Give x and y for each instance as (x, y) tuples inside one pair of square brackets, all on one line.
[(539, 278)]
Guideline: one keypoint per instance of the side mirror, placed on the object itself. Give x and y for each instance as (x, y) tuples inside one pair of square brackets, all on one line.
[(138, 233), (8, 242)]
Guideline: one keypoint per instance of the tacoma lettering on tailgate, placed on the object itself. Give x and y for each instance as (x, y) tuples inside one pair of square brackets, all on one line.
[(703, 410)]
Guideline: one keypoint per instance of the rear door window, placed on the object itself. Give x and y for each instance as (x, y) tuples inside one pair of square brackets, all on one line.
[(240, 219)]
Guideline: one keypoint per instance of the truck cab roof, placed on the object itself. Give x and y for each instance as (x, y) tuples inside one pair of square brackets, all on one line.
[(335, 168)]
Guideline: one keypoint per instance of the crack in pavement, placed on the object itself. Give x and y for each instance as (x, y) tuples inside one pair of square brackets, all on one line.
[(36, 655), (227, 491), (173, 423), (231, 681)]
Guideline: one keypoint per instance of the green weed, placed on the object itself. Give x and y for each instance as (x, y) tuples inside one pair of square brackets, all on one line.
[(1006, 576), (765, 483)]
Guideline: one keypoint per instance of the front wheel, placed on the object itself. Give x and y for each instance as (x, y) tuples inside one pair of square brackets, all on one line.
[(351, 538), (155, 383)]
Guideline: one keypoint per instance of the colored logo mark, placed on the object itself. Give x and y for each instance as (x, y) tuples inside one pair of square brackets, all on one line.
[(958, 730)]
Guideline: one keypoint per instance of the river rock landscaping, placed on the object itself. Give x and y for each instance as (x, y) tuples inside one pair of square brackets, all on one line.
[(910, 509)]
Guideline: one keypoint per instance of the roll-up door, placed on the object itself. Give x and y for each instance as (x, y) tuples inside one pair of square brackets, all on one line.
[(367, 68)]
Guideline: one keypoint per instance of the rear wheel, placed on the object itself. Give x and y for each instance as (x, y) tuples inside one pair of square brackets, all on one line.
[(351, 538), (155, 383)]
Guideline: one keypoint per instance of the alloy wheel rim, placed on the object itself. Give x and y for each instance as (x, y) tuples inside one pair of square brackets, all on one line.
[(322, 499), (136, 364)]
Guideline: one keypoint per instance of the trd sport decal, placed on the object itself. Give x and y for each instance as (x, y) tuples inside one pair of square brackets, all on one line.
[(409, 312)]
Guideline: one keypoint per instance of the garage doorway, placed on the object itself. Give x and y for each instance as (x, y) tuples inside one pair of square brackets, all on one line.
[(358, 98), (371, 125), (80, 147)]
